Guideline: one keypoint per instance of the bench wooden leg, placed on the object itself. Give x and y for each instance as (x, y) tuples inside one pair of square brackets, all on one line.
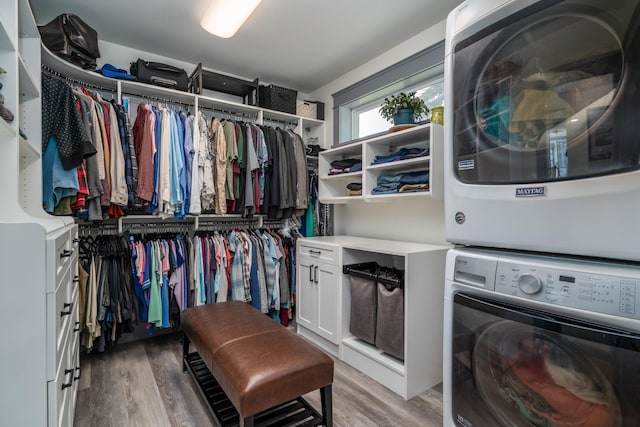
[(185, 351), (327, 406), (247, 421)]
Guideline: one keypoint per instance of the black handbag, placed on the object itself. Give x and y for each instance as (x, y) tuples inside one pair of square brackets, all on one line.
[(71, 38), (159, 74)]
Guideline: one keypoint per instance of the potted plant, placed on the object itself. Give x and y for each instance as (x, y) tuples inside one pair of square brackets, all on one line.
[(403, 108)]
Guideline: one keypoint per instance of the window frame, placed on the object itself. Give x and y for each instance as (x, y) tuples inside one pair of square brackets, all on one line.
[(398, 77)]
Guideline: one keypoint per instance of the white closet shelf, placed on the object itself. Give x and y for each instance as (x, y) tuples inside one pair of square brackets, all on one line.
[(236, 107), (65, 68), (28, 149), (401, 164), (387, 198), (5, 129), (5, 39), (375, 354), (339, 200), (151, 91), (28, 86), (27, 24), (343, 176)]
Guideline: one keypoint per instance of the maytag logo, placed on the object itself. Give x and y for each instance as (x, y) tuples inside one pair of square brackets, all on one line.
[(529, 191)]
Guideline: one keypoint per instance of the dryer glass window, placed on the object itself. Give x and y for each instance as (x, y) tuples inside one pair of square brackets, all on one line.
[(549, 94), (517, 367)]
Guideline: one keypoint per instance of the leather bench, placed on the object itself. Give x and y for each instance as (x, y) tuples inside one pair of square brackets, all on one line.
[(258, 363)]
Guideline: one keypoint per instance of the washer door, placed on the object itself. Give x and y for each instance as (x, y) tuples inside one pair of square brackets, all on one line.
[(527, 376), (515, 366), (547, 94)]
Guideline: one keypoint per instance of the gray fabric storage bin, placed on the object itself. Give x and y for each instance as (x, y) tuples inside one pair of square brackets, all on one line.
[(362, 323), (390, 320)]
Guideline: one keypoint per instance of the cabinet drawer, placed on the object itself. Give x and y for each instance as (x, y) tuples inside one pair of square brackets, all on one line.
[(318, 252), (59, 252), (61, 312), (59, 390)]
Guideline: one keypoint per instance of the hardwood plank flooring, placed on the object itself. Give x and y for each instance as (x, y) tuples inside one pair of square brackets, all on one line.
[(141, 383)]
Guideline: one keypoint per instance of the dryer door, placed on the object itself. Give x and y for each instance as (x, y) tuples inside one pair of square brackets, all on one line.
[(512, 366), (549, 94)]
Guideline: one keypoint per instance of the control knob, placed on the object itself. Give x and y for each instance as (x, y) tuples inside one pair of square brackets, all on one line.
[(529, 284)]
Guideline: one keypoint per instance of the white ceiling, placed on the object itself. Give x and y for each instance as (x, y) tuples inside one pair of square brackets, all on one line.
[(299, 44)]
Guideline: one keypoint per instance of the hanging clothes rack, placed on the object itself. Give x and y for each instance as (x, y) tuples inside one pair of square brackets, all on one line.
[(72, 80), (230, 115), (157, 100)]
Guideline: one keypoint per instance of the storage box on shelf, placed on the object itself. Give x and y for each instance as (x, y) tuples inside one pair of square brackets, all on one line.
[(332, 188)]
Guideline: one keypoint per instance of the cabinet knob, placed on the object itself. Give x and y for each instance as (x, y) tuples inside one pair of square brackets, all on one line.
[(68, 305), (66, 253), (68, 384)]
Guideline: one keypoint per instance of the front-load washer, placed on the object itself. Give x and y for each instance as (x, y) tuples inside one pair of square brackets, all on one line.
[(540, 340)]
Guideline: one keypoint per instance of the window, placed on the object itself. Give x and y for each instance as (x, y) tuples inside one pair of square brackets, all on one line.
[(356, 115), (367, 121)]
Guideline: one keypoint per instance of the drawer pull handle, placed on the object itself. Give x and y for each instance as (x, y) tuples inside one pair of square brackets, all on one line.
[(77, 377), (76, 240), (77, 327), (66, 253), (68, 305), (312, 252), (67, 372), (76, 279)]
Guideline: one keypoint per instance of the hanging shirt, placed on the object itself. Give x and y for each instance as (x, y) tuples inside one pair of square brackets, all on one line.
[(220, 164), (208, 184), (195, 208), (188, 160)]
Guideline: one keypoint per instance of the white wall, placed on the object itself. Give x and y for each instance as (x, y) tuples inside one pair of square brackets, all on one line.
[(413, 220)]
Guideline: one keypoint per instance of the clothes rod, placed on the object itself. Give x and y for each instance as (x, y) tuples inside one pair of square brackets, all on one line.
[(56, 75)]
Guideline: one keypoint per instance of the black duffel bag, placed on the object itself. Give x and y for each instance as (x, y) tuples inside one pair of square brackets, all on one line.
[(71, 38), (159, 74)]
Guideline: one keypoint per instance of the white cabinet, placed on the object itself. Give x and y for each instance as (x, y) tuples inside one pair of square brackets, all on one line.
[(429, 137), (318, 311), (40, 358), (423, 288)]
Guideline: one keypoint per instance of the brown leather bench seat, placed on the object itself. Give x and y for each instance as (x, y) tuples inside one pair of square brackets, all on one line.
[(257, 362)]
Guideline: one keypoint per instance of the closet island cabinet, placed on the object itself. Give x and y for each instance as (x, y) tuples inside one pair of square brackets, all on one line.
[(39, 362), (397, 147), (324, 303)]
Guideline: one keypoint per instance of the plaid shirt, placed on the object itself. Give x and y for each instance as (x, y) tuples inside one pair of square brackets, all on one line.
[(129, 152)]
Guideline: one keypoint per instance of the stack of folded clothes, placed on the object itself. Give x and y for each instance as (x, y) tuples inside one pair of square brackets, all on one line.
[(345, 166), (402, 183), (401, 154), (355, 188)]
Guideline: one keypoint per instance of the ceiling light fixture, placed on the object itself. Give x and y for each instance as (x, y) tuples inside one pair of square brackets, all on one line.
[(225, 17)]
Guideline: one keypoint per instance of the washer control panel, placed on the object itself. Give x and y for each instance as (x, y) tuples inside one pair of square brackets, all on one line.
[(584, 290)]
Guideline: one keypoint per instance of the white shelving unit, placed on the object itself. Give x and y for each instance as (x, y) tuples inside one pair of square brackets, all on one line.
[(332, 188), (324, 300), (305, 126), (39, 363)]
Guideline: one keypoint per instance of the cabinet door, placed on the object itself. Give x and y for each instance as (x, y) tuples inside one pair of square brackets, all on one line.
[(327, 277), (306, 294)]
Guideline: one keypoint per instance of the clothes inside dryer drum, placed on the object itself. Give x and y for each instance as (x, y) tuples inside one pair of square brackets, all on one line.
[(531, 377)]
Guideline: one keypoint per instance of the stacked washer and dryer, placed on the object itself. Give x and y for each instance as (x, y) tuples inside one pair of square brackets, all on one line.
[(542, 161)]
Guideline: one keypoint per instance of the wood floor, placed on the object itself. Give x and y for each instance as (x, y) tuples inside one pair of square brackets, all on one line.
[(141, 383)]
